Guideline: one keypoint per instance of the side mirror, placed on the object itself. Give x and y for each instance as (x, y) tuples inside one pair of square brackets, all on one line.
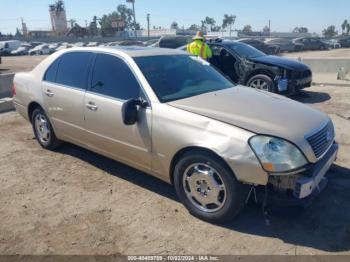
[(130, 110)]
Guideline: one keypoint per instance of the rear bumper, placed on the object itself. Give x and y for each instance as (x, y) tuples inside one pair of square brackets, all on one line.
[(22, 110), (306, 185)]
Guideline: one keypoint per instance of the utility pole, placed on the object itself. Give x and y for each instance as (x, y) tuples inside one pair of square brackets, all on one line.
[(269, 28), (148, 25)]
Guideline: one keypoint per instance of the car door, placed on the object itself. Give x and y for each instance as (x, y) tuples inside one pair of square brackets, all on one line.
[(306, 42), (113, 83), (225, 61), (64, 87)]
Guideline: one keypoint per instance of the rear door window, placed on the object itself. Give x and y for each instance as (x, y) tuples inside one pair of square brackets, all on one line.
[(73, 69), (50, 75), (112, 77)]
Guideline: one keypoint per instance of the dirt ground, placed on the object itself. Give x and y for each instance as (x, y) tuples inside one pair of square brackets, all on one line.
[(76, 202), (335, 53), (13, 64)]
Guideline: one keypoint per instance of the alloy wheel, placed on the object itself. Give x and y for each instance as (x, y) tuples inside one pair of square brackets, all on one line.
[(204, 187), (42, 128), (260, 84)]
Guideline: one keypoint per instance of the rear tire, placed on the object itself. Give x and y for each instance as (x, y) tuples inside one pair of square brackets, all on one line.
[(199, 178), (43, 131), (262, 82)]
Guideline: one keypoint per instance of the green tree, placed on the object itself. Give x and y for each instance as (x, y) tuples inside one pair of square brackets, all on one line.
[(123, 13), (18, 33), (344, 25), (228, 21), (301, 30), (194, 27), (266, 29), (347, 28), (247, 29), (203, 25), (210, 22), (174, 25), (330, 31), (216, 28)]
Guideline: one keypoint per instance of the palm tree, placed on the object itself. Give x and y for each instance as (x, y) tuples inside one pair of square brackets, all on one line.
[(210, 21), (229, 20), (347, 29), (174, 25), (344, 25)]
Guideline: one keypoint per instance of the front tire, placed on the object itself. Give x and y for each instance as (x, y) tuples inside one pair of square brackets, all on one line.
[(208, 188), (262, 82), (43, 130)]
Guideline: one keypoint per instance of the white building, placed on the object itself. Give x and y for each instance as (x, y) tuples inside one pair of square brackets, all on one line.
[(58, 18)]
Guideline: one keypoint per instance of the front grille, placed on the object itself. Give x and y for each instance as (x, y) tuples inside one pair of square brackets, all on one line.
[(322, 140), (301, 74)]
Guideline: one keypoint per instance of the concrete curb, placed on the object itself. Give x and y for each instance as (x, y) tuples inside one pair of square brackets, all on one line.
[(329, 84), (6, 105), (327, 65)]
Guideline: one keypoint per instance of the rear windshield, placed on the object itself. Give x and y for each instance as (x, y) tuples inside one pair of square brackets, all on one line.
[(176, 77)]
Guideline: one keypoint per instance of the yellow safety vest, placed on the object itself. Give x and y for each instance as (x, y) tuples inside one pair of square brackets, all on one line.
[(199, 48)]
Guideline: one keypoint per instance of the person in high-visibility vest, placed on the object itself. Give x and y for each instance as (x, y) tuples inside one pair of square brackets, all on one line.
[(199, 48)]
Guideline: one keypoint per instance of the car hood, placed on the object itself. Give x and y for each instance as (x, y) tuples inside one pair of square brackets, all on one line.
[(257, 111), (281, 62)]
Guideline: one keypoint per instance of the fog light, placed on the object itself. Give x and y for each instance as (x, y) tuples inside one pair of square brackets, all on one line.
[(282, 85)]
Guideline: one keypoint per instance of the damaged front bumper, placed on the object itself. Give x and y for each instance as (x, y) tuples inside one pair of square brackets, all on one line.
[(287, 86), (301, 188)]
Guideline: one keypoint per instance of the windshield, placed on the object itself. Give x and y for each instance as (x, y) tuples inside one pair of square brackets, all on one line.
[(245, 51), (175, 77)]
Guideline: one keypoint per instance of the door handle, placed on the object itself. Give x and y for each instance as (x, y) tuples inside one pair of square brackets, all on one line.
[(91, 106), (49, 93)]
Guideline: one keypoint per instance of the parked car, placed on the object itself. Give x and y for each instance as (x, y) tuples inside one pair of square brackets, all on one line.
[(312, 43), (63, 46), (22, 50), (333, 43), (285, 44), (174, 41), (260, 45), (7, 47), (80, 44), (53, 47), (151, 42), (131, 43), (92, 44), (248, 66), (176, 117), (40, 50), (344, 42), (34, 44)]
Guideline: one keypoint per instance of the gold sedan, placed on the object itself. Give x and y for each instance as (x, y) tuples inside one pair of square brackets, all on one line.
[(176, 117)]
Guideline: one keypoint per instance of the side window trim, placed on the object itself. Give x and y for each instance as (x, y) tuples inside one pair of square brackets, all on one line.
[(89, 87), (59, 59)]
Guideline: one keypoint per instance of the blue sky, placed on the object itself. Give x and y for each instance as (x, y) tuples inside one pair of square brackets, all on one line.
[(284, 14)]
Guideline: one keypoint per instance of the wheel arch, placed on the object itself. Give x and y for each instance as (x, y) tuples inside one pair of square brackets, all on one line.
[(198, 149), (260, 71), (31, 107)]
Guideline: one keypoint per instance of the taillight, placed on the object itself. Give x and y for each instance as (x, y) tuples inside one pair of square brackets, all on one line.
[(13, 89)]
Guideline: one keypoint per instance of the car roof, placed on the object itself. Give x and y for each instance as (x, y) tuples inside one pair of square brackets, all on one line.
[(226, 42), (133, 51)]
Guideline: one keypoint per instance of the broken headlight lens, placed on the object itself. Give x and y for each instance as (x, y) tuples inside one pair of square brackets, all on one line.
[(277, 155)]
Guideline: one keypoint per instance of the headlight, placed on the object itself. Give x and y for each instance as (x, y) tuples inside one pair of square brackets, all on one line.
[(277, 155)]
